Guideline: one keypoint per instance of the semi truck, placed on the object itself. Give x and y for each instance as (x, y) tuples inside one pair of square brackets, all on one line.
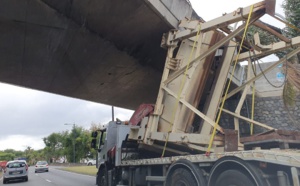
[(180, 140)]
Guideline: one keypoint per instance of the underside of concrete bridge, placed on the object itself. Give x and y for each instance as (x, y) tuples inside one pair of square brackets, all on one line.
[(105, 51)]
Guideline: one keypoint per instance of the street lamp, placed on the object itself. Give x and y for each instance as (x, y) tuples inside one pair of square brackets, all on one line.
[(74, 161)]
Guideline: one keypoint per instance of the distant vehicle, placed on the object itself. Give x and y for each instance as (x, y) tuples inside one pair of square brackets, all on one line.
[(2, 164), (91, 162), (41, 166), (15, 170)]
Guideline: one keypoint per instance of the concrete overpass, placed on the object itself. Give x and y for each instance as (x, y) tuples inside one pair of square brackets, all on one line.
[(98, 50)]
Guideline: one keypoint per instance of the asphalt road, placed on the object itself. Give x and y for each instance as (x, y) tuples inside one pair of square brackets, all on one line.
[(54, 177)]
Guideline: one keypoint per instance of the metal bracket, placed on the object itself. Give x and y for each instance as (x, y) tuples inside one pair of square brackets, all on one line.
[(173, 64)]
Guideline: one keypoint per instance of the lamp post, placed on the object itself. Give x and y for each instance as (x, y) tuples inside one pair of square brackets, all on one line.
[(74, 161)]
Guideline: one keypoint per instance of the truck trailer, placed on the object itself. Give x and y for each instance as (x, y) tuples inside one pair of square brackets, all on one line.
[(179, 140)]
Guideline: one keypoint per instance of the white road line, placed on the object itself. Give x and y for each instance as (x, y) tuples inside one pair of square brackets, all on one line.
[(48, 181)]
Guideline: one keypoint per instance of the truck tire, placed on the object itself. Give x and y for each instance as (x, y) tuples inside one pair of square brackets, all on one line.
[(182, 177), (102, 177), (185, 173), (233, 178), (234, 171)]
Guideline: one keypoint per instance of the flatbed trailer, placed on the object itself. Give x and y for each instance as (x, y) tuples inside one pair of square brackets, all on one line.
[(122, 165)]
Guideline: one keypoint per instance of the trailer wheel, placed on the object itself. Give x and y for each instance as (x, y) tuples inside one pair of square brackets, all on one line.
[(102, 176), (233, 178), (181, 177), (233, 171), (184, 173)]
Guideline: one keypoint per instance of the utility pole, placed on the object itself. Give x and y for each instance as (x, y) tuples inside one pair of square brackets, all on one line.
[(112, 113)]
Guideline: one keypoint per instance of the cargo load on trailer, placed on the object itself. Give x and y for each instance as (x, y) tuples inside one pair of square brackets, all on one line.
[(180, 140)]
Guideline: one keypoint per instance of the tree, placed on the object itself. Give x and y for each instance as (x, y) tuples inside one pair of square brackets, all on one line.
[(54, 146), (28, 151), (4, 156), (292, 14), (82, 139)]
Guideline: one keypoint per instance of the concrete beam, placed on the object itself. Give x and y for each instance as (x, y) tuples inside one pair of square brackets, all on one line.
[(98, 50)]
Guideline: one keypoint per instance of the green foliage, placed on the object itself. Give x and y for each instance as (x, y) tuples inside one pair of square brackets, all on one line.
[(292, 14), (54, 146), (58, 145), (62, 145), (82, 139), (10, 154), (289, 94), (4, 156)]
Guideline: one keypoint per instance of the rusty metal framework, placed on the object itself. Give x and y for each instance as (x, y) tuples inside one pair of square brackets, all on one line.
[(192, 85)]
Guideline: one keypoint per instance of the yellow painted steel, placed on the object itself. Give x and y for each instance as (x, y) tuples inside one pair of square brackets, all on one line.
[(227, 89), (181, 88)]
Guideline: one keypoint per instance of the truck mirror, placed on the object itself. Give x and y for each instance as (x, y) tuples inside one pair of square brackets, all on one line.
[(93, 143), (94, 134)]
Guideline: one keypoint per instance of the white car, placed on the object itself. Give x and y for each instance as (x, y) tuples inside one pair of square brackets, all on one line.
[(41, 166), (15, 170), (91, 162)]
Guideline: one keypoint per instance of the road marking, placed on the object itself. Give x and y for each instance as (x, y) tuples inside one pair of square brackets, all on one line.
[(48, 181)]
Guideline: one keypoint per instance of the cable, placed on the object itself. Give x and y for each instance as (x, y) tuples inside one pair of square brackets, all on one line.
[(273, 85), (254, 58)]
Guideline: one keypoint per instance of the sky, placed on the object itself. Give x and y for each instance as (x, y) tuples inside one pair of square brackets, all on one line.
[(27, 116)]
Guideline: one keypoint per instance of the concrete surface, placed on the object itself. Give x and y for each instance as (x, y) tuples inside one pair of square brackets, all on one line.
[(98, 50)]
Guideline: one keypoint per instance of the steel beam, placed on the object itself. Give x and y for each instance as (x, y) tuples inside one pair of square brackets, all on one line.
[(288, 56), (211, 49)]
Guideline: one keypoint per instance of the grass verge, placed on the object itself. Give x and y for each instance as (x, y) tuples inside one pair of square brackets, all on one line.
[(87, 170), (0, 174)]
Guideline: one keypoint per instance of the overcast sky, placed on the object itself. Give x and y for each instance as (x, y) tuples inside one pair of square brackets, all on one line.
[(26, 116)]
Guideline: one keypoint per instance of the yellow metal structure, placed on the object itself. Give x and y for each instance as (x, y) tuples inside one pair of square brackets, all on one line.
[(185, 113)]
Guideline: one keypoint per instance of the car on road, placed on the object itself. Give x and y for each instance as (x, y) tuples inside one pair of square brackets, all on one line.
[(91, 162), (15, 170), (41, 166)]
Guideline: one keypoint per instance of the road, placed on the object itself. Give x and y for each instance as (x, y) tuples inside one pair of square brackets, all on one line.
[(54, 177)]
